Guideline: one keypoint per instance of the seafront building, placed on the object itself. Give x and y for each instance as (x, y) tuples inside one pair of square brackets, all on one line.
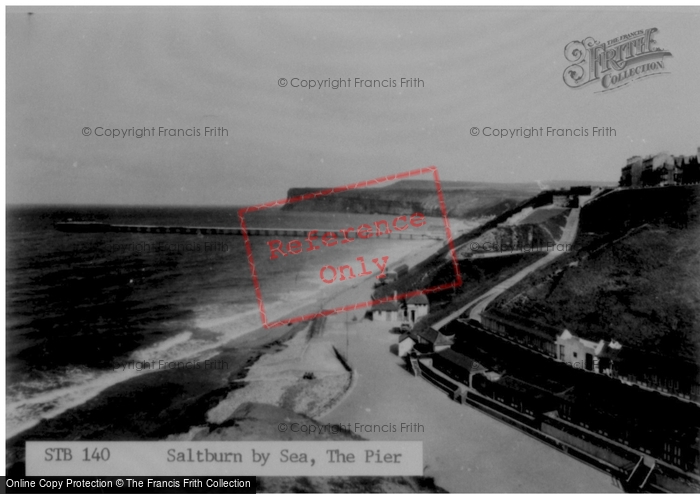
[(405, 311), (386, 311), (679, 378), (609, 423), (661, 170)]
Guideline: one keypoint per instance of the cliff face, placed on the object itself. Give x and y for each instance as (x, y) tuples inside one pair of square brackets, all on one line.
[(461, 201), (360, 201)]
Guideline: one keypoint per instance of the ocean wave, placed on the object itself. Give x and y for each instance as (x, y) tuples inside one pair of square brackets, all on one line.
[(28, 402), (163, 349), (214, 325), (53, 393)]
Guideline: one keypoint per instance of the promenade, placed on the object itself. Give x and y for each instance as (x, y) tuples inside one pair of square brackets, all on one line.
[(464, 449)]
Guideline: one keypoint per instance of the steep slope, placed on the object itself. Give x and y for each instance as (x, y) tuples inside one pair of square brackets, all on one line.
[(633, 276)]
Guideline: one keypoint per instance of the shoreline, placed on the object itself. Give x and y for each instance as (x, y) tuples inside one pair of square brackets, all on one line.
[(205, 337), (311, 356), (160, 404)]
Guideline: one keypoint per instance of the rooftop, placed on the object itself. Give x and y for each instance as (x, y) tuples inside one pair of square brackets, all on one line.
[(390, 305), (459, 360), (419, 299), (522, 324)]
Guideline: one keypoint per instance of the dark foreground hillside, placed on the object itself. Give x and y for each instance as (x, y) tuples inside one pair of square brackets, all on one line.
[(633, 276)]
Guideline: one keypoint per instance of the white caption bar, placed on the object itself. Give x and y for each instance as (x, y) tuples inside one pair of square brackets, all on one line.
[(209, 458)]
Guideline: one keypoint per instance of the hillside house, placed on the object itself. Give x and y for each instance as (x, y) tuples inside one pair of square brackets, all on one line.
[(580, 353), (671, 172), (564, 200), (416, 307), (634, 169), (661, 169)]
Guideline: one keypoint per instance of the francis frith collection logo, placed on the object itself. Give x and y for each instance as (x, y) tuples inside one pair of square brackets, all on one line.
[(615, 63)]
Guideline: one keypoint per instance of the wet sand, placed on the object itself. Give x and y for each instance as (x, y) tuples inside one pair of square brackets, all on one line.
[(278, 378)]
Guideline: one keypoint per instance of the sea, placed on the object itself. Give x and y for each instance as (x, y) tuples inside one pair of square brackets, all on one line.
[(82, 305)]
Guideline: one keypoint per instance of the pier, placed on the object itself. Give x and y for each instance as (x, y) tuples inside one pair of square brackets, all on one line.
[(98, 227)]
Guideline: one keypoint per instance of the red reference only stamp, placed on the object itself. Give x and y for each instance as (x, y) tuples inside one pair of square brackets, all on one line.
[(399, 226)]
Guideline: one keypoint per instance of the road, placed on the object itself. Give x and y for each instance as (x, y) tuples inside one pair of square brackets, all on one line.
[(464, 449), (477, 305), (568, 236)]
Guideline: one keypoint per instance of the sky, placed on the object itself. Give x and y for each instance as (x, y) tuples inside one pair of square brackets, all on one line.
[(72, 69)]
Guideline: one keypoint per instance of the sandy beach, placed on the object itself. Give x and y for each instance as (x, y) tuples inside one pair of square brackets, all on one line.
[(278, 378)]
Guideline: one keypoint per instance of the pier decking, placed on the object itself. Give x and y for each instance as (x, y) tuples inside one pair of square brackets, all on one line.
[(98, 227)]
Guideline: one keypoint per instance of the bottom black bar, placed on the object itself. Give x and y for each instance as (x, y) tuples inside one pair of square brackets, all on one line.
[(123, 485)]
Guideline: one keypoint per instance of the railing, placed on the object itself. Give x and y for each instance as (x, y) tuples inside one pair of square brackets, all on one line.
[(94, 227)]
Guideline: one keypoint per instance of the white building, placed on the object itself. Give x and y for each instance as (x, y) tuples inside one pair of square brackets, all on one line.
[(386, 311), (416, 307), (406, 344), (581, 353)]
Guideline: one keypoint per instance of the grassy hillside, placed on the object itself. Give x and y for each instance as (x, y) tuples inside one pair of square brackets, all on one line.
[(532, 187), (478, 276), (633, 276)]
